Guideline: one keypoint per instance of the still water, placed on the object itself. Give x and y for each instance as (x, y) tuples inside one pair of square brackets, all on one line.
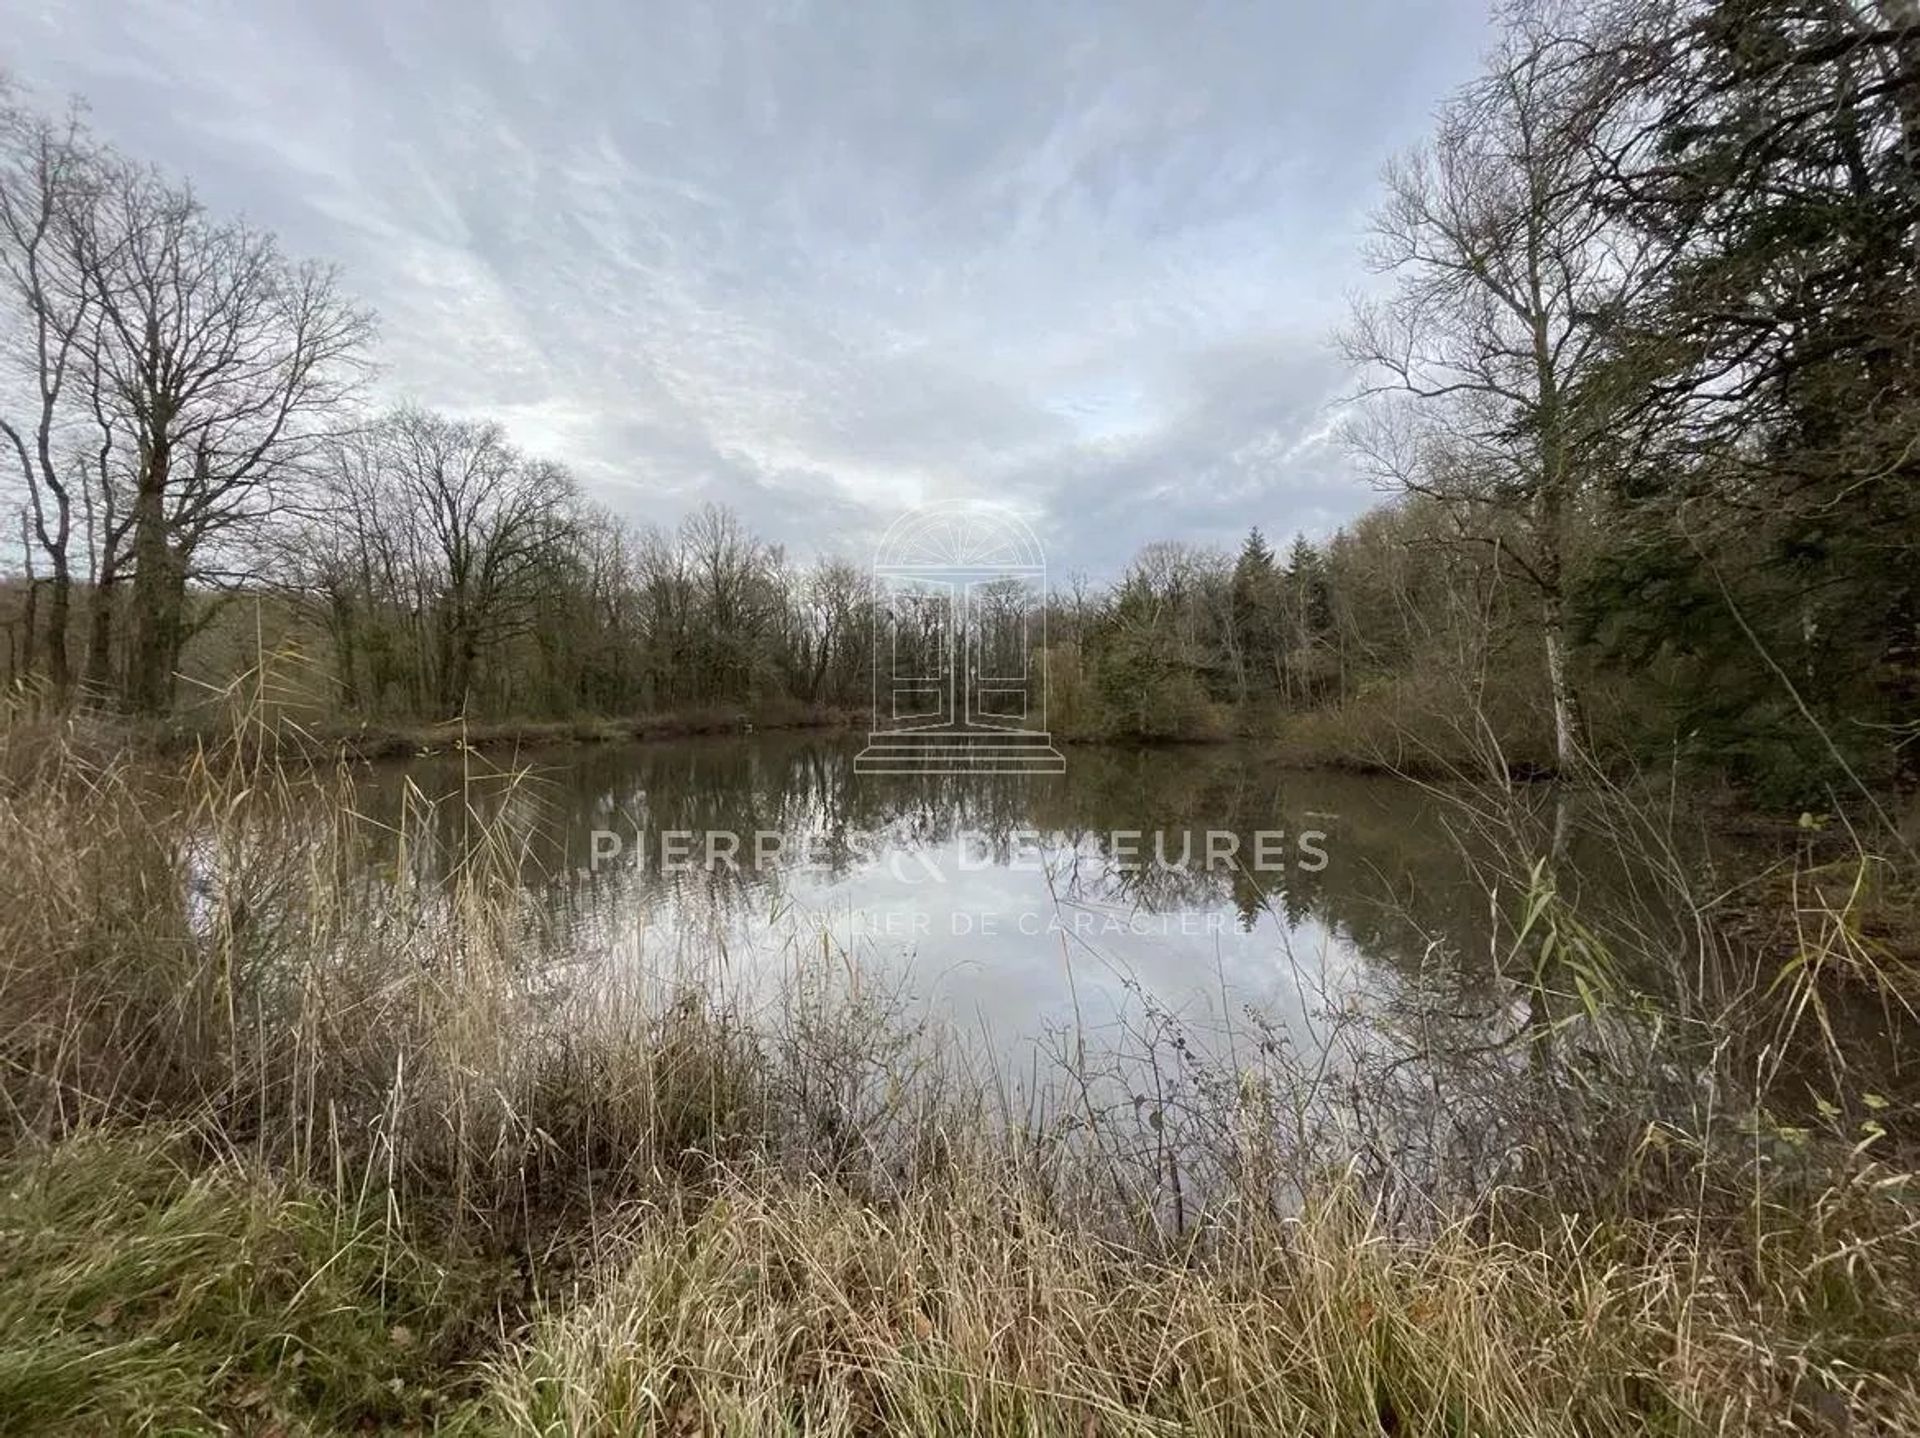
[(1206, 881)]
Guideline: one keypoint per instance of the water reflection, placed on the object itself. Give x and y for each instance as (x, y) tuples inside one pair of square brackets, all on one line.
[(1013, 904)]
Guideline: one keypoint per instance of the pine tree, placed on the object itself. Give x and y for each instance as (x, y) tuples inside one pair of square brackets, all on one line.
[(1256, 617)]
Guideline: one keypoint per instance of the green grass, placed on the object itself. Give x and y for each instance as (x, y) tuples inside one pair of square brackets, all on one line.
[(147, 1288)]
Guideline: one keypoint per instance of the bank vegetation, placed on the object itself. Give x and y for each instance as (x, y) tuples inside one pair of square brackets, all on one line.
[(288, 1149)]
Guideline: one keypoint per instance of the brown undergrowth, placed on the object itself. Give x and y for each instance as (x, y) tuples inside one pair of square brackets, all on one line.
[(308, 1128)]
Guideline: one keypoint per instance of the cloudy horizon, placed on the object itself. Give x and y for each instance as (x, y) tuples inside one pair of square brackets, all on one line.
[(821, 263)]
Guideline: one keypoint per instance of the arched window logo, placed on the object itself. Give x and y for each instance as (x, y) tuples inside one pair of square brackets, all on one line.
[(959, 652)]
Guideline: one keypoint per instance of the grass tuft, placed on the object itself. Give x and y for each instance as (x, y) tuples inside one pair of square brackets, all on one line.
[(145, 1286)]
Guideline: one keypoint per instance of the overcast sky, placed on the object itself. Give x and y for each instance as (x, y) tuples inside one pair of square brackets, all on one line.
[(822, 261)]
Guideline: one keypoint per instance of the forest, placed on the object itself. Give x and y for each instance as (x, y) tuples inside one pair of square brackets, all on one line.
[(1637, 385)]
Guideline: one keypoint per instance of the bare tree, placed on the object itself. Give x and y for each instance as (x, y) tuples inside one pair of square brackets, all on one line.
[(831, 624), (345, 560), (217, 365), (1486, 361), (734, 577), (601, 573), (441, 526), (48, 176), (104, 484), (665, 605)]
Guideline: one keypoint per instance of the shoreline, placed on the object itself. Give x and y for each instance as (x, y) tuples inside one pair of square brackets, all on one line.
[(104, 737)]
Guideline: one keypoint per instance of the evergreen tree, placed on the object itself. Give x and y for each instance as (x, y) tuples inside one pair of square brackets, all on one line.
[(1308, 624), (1772, 546), (1257, 620)]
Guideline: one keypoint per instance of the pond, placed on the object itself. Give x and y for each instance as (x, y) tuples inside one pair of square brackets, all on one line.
[(1207, 882)]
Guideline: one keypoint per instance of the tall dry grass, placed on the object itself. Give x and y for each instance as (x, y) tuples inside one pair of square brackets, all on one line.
[(626, 1198)]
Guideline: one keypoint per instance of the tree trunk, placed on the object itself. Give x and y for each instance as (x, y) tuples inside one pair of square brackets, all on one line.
[(1566, 730), (469, 666), (1566, 712), (30, 609), (459, 654), (158, 593), (29, 627), (345, 649), (99, 678), (59, 616)]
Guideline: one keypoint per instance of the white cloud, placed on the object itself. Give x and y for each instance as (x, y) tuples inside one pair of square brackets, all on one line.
[(821, 261)]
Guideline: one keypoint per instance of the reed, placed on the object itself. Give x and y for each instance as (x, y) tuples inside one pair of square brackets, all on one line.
[(290, 1148)]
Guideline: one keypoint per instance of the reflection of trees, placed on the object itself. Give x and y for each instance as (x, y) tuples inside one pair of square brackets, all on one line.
[(1393, 877), (1393, 880)]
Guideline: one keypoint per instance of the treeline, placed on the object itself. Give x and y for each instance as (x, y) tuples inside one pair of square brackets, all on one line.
[(182, 418), (1641, 377), (1354, 647), (453, 574), (186, 426), (1639, 385), (1649, 349)]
